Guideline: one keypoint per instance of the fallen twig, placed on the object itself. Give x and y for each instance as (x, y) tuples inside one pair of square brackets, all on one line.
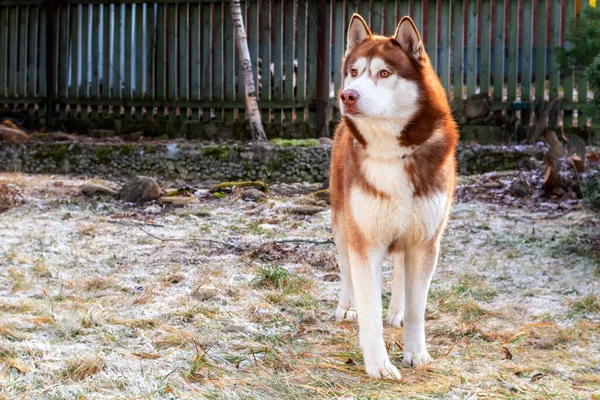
[(311, 241)]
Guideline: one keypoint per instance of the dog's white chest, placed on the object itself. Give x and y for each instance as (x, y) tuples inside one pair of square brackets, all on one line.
[(398, 214)]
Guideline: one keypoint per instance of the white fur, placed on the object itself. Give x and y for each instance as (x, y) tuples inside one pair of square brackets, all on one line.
[(386, 98)]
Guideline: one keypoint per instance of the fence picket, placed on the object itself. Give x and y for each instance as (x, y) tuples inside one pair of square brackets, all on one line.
[(230, 64), (138, 49), (485, 47), (32, 67), (278, 57), (74, 57), (4, 41), (554, 43), (161, 57), (22, 71), (445, 24), (458, 49), (206, 72), (513, 51), (302, 55), (182, 41), (63, 57), (12, 52), (171, 44), (289, 57), (582, 87), (432, 33), (498, 76), (195, 57), (526, 67), (417, 15), (540, 56), (95, 47), (149, 66), (568, 75), (377, 17), (471, 48), (84, 90), (390, 17)]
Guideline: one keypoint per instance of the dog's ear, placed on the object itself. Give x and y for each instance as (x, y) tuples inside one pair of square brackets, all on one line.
[(408, 38), (358, 32)]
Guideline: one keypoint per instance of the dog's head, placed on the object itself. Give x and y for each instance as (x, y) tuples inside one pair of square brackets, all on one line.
[(381, 75)]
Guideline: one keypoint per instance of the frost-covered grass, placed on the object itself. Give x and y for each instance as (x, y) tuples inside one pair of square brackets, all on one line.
[(101, 300)]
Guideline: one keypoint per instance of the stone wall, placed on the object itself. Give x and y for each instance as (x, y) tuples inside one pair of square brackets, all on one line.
[(221, 162)]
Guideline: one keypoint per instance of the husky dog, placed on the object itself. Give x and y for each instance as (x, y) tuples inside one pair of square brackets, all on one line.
[(392, 181)]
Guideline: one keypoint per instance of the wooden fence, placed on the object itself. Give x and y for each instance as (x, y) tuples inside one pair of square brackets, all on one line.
[(176, 59)]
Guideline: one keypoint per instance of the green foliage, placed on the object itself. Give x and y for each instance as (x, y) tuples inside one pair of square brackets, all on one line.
[(584, 34), (593, 74), (276, 277), (591, 191)]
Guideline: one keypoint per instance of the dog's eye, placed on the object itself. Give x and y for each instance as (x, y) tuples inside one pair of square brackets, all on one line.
[(354, 72), (384, 73)]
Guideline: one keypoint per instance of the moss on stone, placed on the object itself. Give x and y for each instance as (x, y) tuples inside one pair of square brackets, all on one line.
[(127, 149), (217, 152), (54, 152), (294, 142), (102, 152)]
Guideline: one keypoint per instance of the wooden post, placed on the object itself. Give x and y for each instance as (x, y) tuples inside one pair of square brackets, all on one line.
[(50, 49), (323, 108)]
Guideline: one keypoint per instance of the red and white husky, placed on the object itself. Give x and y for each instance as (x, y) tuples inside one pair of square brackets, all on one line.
[(392, 181)]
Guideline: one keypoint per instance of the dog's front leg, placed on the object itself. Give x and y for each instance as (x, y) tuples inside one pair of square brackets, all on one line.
[(366, 279), (420, 264)]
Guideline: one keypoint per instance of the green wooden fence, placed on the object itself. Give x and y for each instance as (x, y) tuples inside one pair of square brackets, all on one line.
[(176, 59)]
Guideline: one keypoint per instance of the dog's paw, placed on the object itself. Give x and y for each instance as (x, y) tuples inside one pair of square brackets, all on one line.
[(415, 359), (383, 370), (344, 313), (395, 318)]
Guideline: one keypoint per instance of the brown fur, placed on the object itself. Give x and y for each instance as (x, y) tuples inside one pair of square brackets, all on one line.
[(431, 167)]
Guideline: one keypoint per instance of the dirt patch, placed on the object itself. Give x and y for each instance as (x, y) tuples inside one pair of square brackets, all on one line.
[(104, 300)]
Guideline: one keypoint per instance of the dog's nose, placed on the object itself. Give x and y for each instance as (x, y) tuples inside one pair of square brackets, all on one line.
[(349, 97)]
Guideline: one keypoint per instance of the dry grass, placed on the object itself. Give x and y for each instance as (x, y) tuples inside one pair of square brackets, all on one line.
[(83, 367), (93, 308)]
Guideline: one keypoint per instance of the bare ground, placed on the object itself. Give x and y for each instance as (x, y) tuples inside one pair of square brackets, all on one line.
[(103, 300)]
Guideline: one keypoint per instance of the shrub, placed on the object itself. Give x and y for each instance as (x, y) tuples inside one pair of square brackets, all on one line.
[(584, 34), (591, 190)]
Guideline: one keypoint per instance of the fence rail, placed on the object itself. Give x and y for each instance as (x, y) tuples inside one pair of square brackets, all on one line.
[(176, 59)]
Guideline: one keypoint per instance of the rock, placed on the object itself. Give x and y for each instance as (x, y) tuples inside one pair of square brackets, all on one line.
[(253, 195), (334, 277), (12, 135), (139, 190), (153, 209), (325, 184), (304, 210), (326, 140), (178, 201), (101, 133), (477, 106), (93, 189), (519, 187), (9, 124)]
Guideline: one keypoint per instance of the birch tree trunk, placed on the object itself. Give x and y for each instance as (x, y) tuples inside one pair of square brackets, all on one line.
[(256, 126)]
